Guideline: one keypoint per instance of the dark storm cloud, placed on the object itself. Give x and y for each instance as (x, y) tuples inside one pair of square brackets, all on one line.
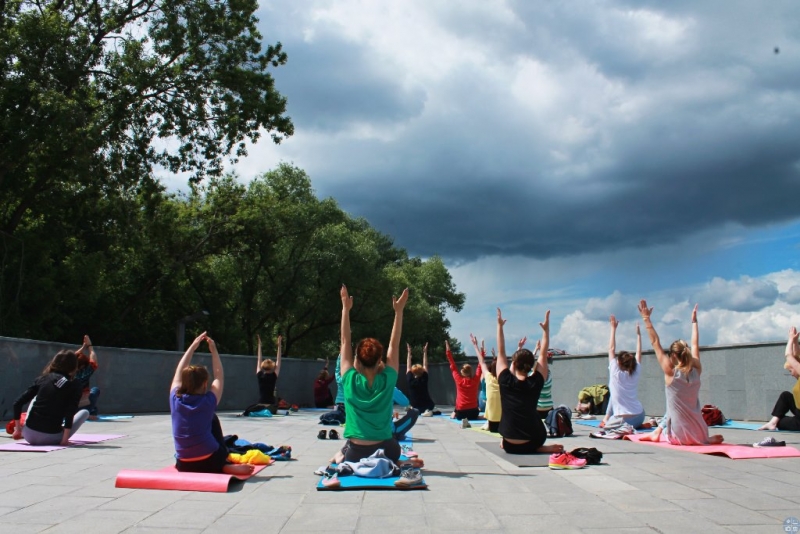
[(712, 138)]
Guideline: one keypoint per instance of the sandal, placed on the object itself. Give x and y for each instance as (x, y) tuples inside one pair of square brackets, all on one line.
[(322, 435), (332, 434)]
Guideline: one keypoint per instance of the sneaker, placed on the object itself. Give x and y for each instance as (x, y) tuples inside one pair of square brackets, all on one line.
[(427, 413), (331, 482), (769, 442), (321, 470), (322, 435), (565, 460), (332, 434), (409, 478), (465, 423)]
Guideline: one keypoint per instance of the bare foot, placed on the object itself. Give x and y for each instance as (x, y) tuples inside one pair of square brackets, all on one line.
[(337, 458), (715, 439), (768, 426), (652, 436), (238, 469), (549, 449), (414, 462), (453, 415)]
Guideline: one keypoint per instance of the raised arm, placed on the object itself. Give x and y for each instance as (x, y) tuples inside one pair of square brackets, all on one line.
[(425, 357), (502, 360), (393, 354), (663, 359), (638, 344), (695, 336), (185, 360), (92, 354), (791, 351), (219, 374), (258, 360), (612, 341), (408, 358), (481, 352), (346, 350), (278, 356), (542, 361), (453, 368)]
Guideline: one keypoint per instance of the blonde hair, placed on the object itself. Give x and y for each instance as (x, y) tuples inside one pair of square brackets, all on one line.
[(680, 349), (268, 365), (417, 370), (466, 370)]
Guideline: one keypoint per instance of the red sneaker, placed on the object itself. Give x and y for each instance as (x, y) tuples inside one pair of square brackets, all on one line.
[(565, 460)]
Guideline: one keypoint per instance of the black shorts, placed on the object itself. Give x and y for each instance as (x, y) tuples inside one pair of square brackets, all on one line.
[(212, 464), (520, 448), (471, 414)]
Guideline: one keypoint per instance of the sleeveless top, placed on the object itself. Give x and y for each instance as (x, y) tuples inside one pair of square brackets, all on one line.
[(685, 424)]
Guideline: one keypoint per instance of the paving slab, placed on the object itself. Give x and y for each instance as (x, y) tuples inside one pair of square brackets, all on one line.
[(636, 490)]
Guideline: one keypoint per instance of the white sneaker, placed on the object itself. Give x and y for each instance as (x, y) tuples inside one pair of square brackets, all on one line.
[(465, 423), (408, 478), (427, 413)]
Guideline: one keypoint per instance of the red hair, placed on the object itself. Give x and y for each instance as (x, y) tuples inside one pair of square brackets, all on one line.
[(369, 352)]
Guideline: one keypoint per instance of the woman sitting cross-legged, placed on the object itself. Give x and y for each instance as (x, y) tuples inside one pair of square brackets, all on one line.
[(493, 406), (368, 386), (682, 368), (788, 402), (53, 416), (417, 380), (468, 382), (199, 445), (520, 425), (624, 370), (267, 372)]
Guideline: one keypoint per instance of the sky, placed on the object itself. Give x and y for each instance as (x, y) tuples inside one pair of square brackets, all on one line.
[(559, 158)]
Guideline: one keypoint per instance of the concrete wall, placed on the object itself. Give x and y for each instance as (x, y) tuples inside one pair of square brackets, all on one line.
[(743, 380)]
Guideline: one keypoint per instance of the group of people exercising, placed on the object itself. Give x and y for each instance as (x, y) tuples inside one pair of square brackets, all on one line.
[(367, 376)]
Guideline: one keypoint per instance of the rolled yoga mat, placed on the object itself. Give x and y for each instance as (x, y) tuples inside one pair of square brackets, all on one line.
[(170, 478)]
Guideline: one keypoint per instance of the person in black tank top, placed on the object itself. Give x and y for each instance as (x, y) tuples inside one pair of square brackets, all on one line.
[(522, 430), (267, 372), (417, 380)]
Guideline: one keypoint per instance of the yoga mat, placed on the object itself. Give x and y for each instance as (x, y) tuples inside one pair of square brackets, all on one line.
[(732, 451), (473, 422), (112, 417), (482, 431), (360, 483), (587, 422), (741, 425), (77, 439), (520, 460), (170, 478)]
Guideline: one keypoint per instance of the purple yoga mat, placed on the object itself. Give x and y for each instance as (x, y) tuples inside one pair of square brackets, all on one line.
[(77, 439)]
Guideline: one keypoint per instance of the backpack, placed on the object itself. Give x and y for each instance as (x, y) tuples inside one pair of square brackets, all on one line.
[(713, 415), (590, 454), (559, 422)]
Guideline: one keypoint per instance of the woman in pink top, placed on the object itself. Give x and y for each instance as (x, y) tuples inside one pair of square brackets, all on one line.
[(467, 385)]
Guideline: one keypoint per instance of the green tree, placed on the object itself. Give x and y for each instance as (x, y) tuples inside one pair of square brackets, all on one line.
[(95, 94)]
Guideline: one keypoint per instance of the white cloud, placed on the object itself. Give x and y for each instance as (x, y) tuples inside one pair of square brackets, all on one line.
[(743, 295), (792, 295)]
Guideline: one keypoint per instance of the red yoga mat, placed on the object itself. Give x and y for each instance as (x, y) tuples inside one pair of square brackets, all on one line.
[(731, 450), (170, 478)]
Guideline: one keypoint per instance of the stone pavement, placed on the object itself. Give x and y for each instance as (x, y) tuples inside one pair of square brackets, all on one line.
[(642, 489)]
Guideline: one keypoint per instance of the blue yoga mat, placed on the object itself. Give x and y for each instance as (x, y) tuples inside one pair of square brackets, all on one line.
[(113, 417), (587, 422), (741, 425), (361, 483), (472, 421)]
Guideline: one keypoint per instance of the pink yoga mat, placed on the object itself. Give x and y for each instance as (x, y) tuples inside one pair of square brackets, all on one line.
[(733, 451), (77, 439), (170, 478)]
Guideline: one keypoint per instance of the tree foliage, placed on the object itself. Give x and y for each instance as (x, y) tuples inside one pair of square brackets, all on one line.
[(263, 258), (95, 94)]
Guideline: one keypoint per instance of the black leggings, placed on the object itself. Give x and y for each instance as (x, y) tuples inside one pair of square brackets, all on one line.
[(786, 404), (494, 426), (215, 462), (354, 452)]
